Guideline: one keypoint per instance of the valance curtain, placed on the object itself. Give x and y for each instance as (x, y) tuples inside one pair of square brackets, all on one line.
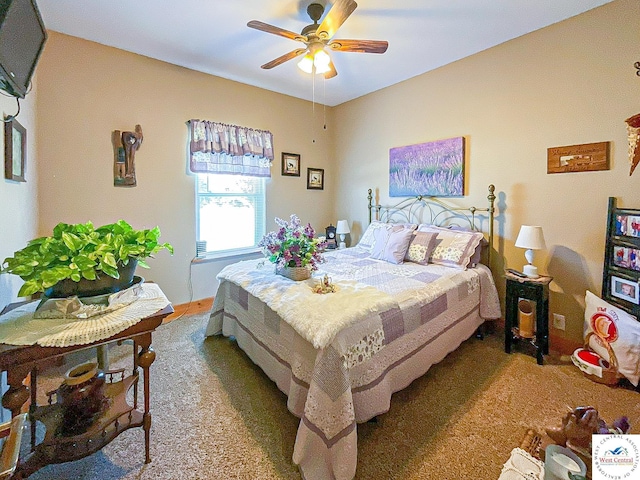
[(229, 149)]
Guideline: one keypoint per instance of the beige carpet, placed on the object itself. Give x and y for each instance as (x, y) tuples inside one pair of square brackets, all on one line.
[(217, 416)]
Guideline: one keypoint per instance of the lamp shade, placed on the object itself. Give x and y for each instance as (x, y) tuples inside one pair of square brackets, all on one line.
[(315, 59), (530, 237), (306, 64), (342, 227)]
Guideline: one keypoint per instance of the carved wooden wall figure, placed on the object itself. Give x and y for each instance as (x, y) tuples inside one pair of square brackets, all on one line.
[(126, 144), (633, 133)]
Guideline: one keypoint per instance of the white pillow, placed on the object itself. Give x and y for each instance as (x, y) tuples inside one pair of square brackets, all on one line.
[(368, 237), (608, 329)]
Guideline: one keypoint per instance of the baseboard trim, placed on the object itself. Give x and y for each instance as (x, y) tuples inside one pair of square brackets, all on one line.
[(563, 346), (195, 307)]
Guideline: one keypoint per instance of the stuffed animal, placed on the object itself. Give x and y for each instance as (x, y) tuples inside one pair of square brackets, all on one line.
[(579, 424)]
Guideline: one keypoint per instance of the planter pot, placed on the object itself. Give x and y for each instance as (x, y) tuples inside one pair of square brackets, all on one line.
[(294, 273), (81, 396), (103, 284)]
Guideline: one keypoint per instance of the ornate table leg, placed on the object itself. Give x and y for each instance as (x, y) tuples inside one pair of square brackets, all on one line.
[(18, 392), (145, 358)]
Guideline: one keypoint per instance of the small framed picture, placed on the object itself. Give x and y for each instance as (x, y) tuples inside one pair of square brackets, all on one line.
[(315, 178), (625, 289), (626, 257), (290, 164), (15, 150), (628, 225)]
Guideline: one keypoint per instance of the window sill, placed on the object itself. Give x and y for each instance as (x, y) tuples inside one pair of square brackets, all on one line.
[(221, 256)]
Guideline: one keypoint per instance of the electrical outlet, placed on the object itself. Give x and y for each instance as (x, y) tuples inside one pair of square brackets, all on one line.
[(558, 321)]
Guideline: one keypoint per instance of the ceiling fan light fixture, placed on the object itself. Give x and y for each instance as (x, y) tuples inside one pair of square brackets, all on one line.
[(317, 61), (317, 36), (321, 61), (306, 64)]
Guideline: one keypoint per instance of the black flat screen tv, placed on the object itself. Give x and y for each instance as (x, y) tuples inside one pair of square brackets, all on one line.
[(22, 37)]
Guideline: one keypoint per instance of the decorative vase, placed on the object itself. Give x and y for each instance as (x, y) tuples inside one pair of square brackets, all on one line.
[(103, 284), (294, 273), (81, 396)]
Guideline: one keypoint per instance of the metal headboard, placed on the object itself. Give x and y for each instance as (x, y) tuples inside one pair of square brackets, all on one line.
[(434, 211)]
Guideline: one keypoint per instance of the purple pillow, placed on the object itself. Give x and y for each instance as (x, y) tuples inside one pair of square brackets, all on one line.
[(391, 244), (421, 247)]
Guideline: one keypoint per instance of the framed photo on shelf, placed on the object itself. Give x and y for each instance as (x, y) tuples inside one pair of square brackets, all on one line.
[(626, 257), (315, 178), (15, 150), (625, 289), (628, 225), (290, 164), (621, 273)]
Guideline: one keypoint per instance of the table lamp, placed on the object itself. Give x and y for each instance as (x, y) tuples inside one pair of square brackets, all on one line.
[(342, 228), (531, 238)]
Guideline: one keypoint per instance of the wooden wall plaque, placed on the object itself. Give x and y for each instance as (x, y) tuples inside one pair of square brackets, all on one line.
[(587, 157)]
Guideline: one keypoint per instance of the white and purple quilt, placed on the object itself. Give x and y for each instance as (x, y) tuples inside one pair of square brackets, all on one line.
[(339, 356)]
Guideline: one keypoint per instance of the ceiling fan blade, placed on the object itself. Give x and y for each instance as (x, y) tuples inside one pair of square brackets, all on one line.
[(332, 71), (361, 46), (265, 27), (283, 58), (335, 18)]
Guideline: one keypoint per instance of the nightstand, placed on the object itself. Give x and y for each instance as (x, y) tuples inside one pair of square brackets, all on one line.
[(535, 290)]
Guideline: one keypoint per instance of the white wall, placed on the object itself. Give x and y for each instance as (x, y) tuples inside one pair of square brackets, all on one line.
[(18, 200)]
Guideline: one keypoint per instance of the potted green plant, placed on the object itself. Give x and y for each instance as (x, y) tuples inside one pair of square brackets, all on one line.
[(79, 259)]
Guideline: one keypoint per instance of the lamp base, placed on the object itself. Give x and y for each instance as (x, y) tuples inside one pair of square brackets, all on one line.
[(530, 271), (342, 245)]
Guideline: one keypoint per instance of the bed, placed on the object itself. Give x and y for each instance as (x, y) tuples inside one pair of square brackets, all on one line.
[(339, 357)]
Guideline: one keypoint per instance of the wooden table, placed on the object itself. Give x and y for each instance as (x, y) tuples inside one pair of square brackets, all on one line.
[(20, 361), (537, 291)]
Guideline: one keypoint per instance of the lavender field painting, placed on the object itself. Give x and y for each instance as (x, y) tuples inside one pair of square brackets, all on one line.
[(433, 169)]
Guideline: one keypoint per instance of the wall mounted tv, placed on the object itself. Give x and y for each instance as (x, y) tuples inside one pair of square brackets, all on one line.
[(22, 37)]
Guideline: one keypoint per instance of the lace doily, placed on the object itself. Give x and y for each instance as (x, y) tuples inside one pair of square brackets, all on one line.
[(19, 327), (522, 466)]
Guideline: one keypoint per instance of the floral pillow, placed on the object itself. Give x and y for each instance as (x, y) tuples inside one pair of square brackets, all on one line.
[(421, 247), (477, 254), (391, 244), (454, 248)]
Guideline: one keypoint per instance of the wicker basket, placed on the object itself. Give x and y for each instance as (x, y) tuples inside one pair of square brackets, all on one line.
[(294, 273), (610, 375)]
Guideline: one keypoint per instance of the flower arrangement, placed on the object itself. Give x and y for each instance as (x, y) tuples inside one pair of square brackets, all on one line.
[(292, 245)]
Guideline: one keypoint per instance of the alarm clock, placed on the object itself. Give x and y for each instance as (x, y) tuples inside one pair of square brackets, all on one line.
[(331, 237)]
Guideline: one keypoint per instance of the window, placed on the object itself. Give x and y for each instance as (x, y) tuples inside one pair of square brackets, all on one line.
[(230, 213)]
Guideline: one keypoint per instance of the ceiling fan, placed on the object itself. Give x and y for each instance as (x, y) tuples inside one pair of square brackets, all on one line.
[(318, 36)]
